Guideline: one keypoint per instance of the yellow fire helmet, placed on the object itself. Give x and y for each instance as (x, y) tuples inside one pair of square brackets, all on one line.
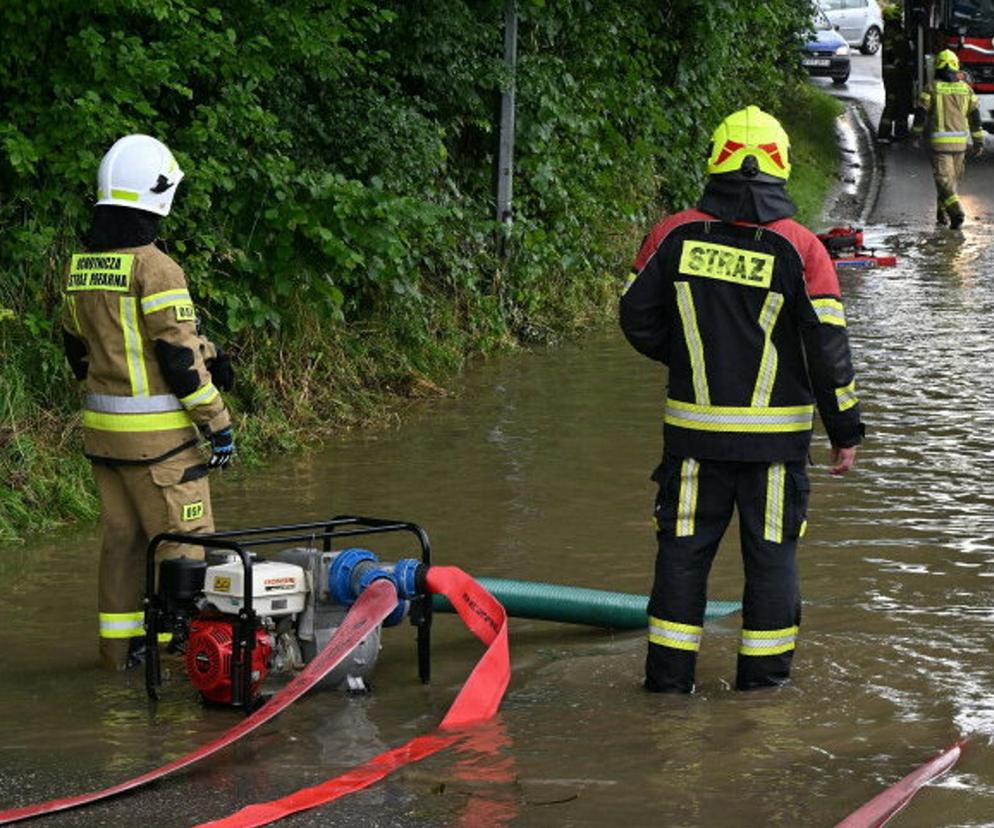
[(947, 59), (747, 134)]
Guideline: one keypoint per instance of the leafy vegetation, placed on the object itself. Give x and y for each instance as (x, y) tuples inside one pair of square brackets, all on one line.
[(336, 222)]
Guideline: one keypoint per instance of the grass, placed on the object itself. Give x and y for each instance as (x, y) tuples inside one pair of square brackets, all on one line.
[(815, 157)]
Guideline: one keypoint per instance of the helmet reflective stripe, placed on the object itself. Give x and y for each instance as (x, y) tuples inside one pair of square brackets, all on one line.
[(140, 172), (947, 59), (750, 132)]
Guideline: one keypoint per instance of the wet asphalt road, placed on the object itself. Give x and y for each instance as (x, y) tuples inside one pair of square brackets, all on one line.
[(906, 195)]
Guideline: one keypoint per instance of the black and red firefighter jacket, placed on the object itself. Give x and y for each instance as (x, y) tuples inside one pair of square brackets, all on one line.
[(750, 321)]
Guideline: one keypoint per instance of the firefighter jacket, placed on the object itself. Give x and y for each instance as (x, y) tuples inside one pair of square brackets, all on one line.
[(949, 112), (131, 332), (751, 324)]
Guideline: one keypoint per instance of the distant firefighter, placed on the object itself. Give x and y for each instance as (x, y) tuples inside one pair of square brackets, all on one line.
[(948, 114)]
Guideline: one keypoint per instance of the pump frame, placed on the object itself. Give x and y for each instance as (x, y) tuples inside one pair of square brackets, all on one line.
[(240, 541)]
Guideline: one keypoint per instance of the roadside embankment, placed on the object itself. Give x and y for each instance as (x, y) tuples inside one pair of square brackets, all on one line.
[(335, 221)]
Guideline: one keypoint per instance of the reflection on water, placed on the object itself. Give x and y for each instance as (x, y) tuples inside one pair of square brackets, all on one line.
[(538, 469)]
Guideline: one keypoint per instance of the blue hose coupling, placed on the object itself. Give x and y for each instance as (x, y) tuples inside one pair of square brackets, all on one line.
[(374, 574), (405, 573), (341, 571)]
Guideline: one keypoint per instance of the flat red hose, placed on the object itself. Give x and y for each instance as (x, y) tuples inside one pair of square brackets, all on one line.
[(477, 701), (375, 603), (885, 805)]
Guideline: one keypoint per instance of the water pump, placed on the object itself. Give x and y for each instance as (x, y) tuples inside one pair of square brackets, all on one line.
[(237, 618)]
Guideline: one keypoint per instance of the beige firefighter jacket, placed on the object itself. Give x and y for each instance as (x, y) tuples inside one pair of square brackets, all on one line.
[(147, 382), (952, 116)]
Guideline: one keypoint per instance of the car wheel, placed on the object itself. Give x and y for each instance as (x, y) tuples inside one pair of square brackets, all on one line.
[(841, 79), (871, 42)]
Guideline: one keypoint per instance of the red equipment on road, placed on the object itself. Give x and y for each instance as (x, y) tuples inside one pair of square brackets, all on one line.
[(845, 246)]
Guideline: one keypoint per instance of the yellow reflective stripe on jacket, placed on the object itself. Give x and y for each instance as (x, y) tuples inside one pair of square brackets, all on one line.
[(768, 642), (121, 624), (133, 351), (676, 636), (735, 418), (695, 346), (166, 299), (166, 421), (829, 311), (687, 501), (100, 271), (204, 395), (846, 396), (776, 480), (768, 362)]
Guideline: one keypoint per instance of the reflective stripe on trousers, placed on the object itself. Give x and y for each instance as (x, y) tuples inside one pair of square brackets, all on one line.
[(676, 636), (768, 642)]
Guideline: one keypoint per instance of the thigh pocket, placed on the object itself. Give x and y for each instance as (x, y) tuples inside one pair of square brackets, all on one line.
[(797, 511), (186, 494)]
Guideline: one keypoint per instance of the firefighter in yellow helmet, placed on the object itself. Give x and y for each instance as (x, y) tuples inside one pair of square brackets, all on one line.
[(742, 304), (948, 113), (152, 385)]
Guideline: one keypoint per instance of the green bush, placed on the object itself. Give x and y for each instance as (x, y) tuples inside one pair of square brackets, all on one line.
[(336, 222)]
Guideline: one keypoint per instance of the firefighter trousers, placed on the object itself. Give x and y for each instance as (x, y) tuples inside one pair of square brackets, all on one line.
[(694, 506), (948, 168), (137, 503)]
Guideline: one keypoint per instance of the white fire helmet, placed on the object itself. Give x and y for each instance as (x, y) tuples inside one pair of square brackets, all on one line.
[(140, 172)]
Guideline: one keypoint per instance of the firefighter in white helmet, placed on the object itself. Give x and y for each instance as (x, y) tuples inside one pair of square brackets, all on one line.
[(152, 385)]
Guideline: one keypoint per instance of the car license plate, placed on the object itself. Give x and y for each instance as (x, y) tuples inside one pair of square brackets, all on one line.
[(816, 62)]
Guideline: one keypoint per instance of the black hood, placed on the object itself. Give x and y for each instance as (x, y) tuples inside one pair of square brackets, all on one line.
[(947, 75), (115, 227), (736, 197)]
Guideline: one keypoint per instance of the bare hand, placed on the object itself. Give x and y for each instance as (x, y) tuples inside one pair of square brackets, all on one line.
[(843, 459)]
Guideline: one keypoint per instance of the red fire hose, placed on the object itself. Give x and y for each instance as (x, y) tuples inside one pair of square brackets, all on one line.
[(477, 700), (883, 806)]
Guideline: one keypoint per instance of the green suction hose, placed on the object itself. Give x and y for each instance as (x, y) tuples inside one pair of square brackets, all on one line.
[(575, 605)]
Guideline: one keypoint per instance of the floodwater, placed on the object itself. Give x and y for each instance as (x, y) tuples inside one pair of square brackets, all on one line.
[(537, 468)]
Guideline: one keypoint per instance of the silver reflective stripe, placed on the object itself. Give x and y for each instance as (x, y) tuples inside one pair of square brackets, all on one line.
[(133, 346), (165, 299), (690, 638), (963, 135), (113, 404), (687, 500), (740, 416), (692, 336), (768, 362), (775, 487), (122, 625)]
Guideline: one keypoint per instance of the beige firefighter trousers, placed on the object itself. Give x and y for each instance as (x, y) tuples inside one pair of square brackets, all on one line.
[(948, 167), (137, 503)]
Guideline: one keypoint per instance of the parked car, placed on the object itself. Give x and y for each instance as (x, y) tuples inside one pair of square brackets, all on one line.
[(860, 22), (827, 56)]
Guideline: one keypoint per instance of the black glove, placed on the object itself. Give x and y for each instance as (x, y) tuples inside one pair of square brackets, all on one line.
[(222, 448), (978, 149), (221, 370)]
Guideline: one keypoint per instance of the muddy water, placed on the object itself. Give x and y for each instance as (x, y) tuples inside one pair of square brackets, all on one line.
[(538, 469)]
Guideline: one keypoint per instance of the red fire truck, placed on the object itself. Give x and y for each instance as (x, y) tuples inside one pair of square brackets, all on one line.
[(966, 27)]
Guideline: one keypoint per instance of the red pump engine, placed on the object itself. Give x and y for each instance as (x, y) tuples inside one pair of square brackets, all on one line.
[(208, 658)]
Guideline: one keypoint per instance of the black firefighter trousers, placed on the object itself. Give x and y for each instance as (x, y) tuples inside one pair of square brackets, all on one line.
[(693, 508)]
